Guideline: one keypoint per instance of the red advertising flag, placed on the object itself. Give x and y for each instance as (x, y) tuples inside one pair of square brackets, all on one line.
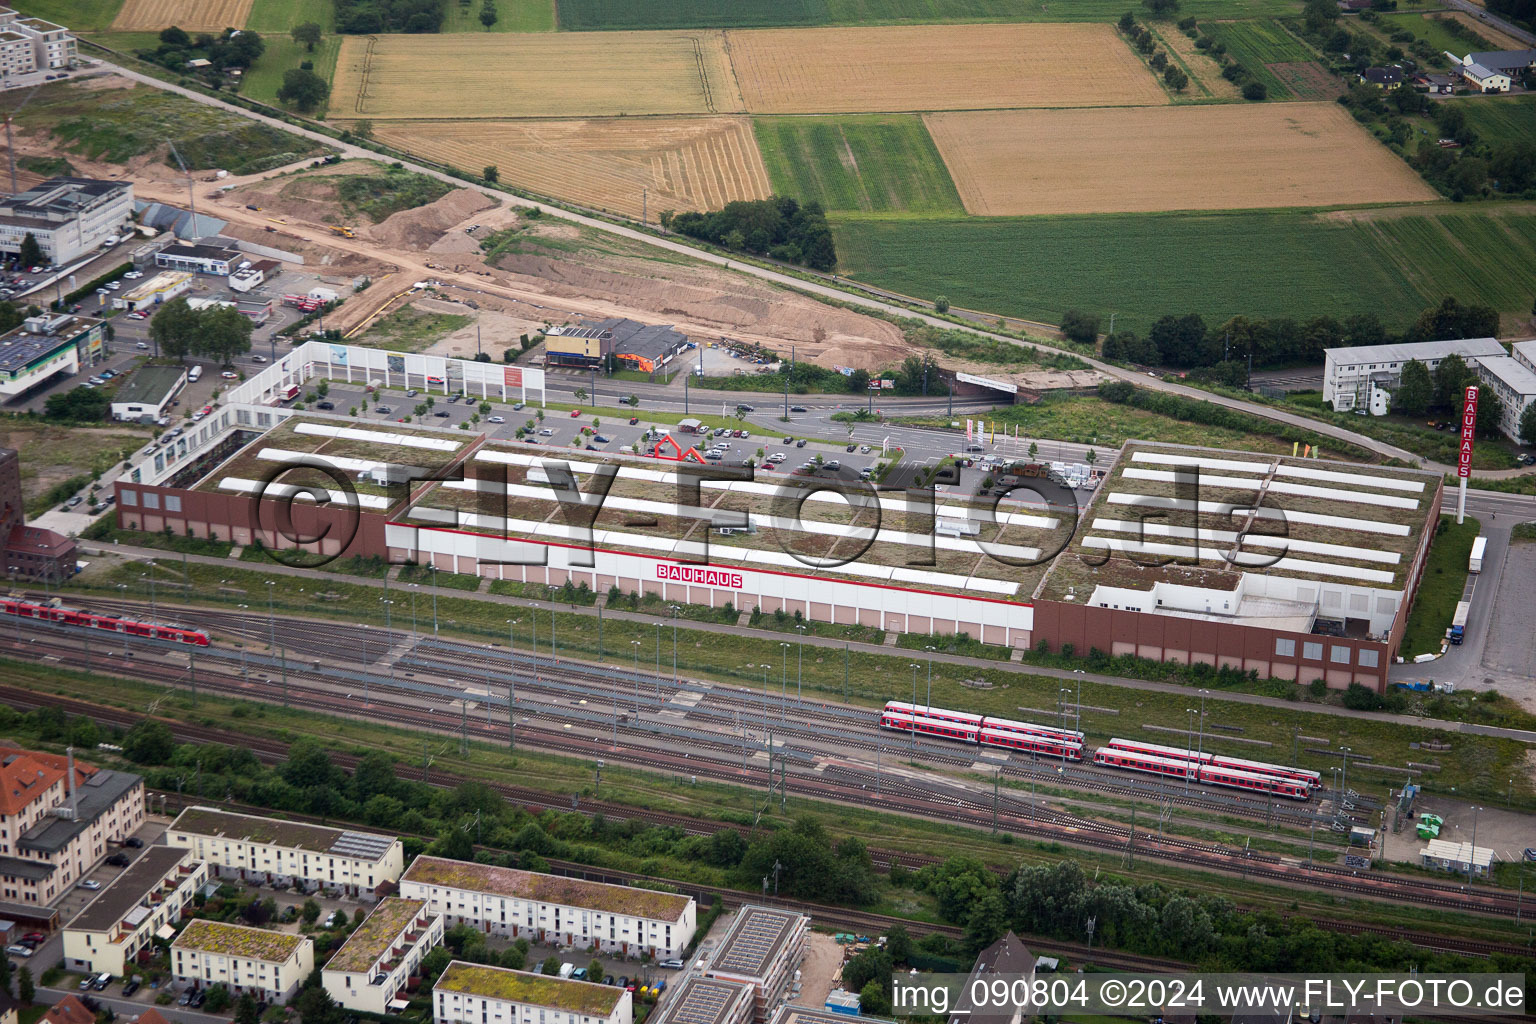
[(1468, 430), (513, 375)]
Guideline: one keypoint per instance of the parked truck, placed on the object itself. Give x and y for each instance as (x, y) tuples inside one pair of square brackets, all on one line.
[(1459, 623), (1479, 545)]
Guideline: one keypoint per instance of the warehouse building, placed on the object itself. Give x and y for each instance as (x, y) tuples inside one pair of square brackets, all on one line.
[(762, 949), (1514, 381), (147, 394), (633, 345), (69, 217), (46, 346), (476, 994), (277, 852), (197, 258), (700, 1000), (152, 292), (268, 965), (552, 908), (1363, 376), (372, 969), (140, 905)]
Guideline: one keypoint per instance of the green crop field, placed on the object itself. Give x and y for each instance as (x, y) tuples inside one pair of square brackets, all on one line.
[(1257, 43), (281, 15), (1433, 31), (512, 16), (879, 163), (1502, 118), (80, 15), (1144, 266), (282, 54), (640, 14)]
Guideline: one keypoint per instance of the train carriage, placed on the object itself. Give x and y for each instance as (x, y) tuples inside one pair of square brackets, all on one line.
[(109, 623), (1067, 750), (1159, 750), (1302, 775), (935, 714), (1217, 775), (929, 726), (1169, 767), (1030, 729)]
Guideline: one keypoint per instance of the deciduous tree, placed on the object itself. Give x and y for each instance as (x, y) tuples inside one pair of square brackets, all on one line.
[(1415, 391), (308, 33)]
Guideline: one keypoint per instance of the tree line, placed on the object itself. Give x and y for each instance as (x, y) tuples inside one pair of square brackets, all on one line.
[(779, 227), (216, 332), (365, 17), (230, 49), (1186, 342)]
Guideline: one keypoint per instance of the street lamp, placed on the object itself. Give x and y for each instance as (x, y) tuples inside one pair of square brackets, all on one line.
[(783, 678), (800, 664), (914, 704), (636, 645), (389, 635), (657, 678), (434, 596), (1188, 731), (552, 654), (271, 619), (1472, 854), (512, 685), (931, 651), (1199, 753), (675, 610)]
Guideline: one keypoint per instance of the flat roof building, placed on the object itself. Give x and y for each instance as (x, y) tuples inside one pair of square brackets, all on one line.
[(248, 847), (68, 217), (700, 1000), (643, 347), (268, 965), (371, 970), (1350, 373), (147, 393), (163, 287), (552, 908), (1452, 856), (45, 346), (1514, 382), (762, 948), (476, 994), (141, 904), (197, 258)]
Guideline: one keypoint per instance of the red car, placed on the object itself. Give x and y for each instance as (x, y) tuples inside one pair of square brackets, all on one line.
[(575, 413)]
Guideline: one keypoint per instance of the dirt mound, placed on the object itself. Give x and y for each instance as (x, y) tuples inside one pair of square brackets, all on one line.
[(425, 225)]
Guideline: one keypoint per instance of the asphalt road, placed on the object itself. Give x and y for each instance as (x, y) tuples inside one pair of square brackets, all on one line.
[(856, 298)]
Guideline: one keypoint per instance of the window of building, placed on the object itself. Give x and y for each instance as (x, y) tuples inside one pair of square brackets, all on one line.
[(1367, 658), (173, 503), (1339, 655), (1312, 651), (1285, 647), (151, 500), (129, 497)]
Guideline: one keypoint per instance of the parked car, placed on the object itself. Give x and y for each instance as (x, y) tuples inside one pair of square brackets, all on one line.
[(330, 920), (797, 408), (384, 410), (601, 438), (20, 950), (800, 443), (186, 997), (546, 432), (102, 981), (118, 860), (130, 988), (495, 419), (90, 884), (575, 413), (325, 405), (441, 414), (411, 393), (141, 346), (851, 447), (230, 375), (519, 407), (34, 937), (789, 440), (671, 965)]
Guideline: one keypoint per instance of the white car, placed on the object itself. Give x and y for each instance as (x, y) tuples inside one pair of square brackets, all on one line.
[(133, 275), (230, 375), (258, 359), (496, 419), (138, 315), (546, 432), (90, 884)]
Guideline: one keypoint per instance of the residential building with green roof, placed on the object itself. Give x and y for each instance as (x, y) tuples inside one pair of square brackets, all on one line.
[(269, 965), (273, 851), (552, 908), (372, 970), (476, 994)]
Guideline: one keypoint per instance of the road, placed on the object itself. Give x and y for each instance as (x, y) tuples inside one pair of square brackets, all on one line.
[(843, 295), (1494, 20)]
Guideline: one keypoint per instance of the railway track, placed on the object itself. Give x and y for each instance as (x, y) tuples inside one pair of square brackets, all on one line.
[(909, 798)]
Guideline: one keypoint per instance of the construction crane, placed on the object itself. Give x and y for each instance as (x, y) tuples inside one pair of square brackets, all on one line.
[(10, 141), (191, 194)]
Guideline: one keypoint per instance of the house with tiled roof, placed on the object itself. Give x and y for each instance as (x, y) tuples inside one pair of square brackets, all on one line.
[(552, 908), (69, 1010), (57, 822), (269, 965)]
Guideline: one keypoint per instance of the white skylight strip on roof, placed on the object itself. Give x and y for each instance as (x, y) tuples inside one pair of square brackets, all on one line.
[(1384, 482), (1191, 460), (1334, 494), (1219, 508), (1170, 476), (1129, 546), (1311, 547), (439, 444), (300, 493), (337, 461)]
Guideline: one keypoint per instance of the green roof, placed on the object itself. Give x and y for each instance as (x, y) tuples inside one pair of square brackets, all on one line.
[(373, 938), (203, 936), (531, 885), (209, 821), (535, 989)]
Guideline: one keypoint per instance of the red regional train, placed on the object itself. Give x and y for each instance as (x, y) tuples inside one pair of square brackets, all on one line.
[(1209, 774), (1303, 775), (978, 729), (110, 623)]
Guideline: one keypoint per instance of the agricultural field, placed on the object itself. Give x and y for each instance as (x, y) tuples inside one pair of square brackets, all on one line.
[(1308, 80), (685, 163), (1436, 30), (192, 15), (512, 16), (1205, 81), (1143, 266), (79, 15), (265, 77), (544, 75), (1201, 157), (1499, 119), (871, 163), (642, 14), (947, 67), (1256, 44), (279, 16)]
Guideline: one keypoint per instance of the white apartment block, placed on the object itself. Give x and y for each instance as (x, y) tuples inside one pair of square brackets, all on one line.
[(1350, 374), (551, 908), (277, 852), (1514, 381), (37, 45), (476, 994), (762, 948), (370, 971), (146, 901), (56, 826), (268, 965), (68, 217)]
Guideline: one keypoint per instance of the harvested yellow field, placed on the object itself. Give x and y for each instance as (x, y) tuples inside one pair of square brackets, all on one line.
[(693, 163), (192, 15), (938, 67), (496, 75), (1216, 157)]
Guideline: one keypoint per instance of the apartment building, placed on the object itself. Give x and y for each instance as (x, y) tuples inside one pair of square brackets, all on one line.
[(476, 994), (143, 903), (1361, 377), (762, 948), (1514, 382), (57, 819), (268, 965), (551, 908), (700, 1000), (29, 45), (68, 217), (371, 970), (275, 852)]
